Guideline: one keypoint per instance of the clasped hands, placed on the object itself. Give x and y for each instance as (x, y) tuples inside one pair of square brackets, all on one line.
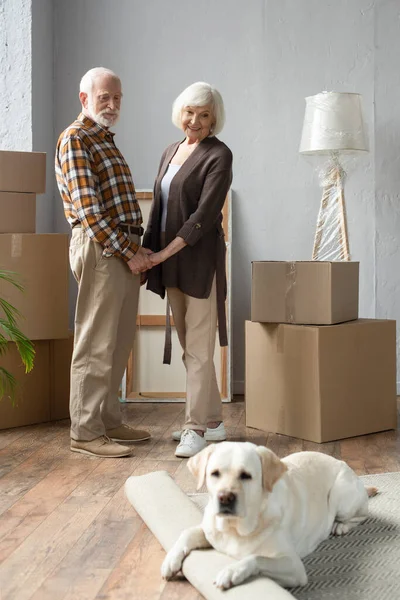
[(144, 260)]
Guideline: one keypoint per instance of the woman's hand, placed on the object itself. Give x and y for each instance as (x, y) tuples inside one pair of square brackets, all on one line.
[(158, 258)]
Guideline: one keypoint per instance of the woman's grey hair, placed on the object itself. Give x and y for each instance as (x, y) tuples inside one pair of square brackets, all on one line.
[(86, 84), (200, 94)]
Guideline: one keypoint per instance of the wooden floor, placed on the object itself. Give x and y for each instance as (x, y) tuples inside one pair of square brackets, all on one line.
[(68, 533)]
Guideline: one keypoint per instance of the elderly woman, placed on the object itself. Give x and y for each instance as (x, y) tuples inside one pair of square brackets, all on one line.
[(185, 233)]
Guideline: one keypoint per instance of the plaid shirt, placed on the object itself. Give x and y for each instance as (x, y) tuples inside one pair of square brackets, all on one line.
[(96, 186)]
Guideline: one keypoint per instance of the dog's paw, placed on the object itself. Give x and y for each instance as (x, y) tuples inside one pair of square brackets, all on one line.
[(224, 579), (172, 564), (233, 575), (340, 528)]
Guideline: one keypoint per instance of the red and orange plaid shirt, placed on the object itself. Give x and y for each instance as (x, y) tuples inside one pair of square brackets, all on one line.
[(96, 186)]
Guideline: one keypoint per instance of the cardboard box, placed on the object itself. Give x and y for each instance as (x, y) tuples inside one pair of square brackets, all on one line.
[(309, 292), (17, 212), (321, 383), (41, 260), (22, 172), (60, 368), (43, 394), (32, 404)]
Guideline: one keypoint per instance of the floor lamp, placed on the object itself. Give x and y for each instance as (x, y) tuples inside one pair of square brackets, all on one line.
[(333, 126)]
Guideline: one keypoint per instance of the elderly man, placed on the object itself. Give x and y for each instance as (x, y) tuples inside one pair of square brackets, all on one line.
[(106, 260)]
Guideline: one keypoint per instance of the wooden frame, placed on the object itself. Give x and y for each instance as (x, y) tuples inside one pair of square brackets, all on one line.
[(131, 389)]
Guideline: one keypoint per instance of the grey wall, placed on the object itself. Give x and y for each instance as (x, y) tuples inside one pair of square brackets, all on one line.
[(43, 136), (265, 56)]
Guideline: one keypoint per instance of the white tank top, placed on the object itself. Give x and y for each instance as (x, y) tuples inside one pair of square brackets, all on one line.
[(165, 185)]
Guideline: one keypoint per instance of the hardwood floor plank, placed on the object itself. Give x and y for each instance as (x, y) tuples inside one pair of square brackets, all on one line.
[(72, 584), (180, 590), (25, 515), (24, 446), (27, 473), (24, 571), (107, 477), (137, 576)]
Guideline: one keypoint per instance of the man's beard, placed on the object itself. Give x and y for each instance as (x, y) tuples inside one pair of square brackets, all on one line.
[(100, 117)]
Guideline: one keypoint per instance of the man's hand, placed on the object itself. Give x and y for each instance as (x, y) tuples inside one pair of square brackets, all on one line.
[(141, 261)]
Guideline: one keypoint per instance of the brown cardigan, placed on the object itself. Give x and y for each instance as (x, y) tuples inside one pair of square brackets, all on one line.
[(196, 197)]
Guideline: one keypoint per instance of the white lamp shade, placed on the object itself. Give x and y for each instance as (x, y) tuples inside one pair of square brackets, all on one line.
[(333, 122)]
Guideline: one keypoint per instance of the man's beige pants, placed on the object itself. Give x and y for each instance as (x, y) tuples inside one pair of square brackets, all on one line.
[(105, 325), (196, 326)]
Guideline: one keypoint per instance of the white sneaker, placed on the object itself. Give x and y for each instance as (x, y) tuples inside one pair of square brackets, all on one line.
[(191, 443), (216, 434)]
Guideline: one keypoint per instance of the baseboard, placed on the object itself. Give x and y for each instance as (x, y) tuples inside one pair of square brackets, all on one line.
[(238, 387)]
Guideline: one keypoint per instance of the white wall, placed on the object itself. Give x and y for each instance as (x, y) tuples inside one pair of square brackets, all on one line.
[(26, 89), (265, 57), (15, 75)]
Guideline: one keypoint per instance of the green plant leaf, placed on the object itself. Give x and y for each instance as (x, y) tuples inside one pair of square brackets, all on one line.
[(11, 313), (12, 277), (10, 332), (24, 345), (8, 384)]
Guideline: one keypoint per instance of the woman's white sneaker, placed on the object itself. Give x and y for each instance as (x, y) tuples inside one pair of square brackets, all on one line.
[(216, 434), (191, 443)]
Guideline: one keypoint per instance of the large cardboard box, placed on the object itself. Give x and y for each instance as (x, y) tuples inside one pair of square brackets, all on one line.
[(321, 383), (22, 172), (60, 368), (32, 403), (309, 292), (17, 212), (43, 394), (41, 260)]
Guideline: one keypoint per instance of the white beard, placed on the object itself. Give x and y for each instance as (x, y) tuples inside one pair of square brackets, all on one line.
[(101, 119)]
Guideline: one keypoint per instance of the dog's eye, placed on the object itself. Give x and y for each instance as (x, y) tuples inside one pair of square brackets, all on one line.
[(215, 473), (244, 475)]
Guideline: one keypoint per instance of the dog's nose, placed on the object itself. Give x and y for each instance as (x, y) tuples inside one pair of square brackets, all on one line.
[(226, 500)]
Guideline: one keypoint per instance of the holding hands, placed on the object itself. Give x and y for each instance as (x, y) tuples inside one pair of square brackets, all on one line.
[(144, 260)]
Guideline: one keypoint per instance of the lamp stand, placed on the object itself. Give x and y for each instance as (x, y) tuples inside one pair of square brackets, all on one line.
[(331, 240)]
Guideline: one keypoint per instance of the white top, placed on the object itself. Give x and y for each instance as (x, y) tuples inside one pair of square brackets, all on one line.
[(165, 185)]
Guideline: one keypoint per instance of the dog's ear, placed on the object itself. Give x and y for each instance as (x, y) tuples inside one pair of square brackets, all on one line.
[(197, 464), (272, 467)]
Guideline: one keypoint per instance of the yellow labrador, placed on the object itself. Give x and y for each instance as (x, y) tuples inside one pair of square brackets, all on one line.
[(269, 513)]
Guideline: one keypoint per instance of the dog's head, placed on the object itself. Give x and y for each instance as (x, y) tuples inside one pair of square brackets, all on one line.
[(238, 478)]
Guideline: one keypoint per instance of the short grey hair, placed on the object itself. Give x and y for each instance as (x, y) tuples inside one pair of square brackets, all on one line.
[(200, 94), (87, 81)]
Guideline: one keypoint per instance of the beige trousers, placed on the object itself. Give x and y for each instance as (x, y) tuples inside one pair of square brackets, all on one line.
[(105, 325), (196, 325)]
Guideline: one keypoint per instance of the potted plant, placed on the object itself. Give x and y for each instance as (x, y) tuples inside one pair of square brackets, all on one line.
[(10, 332)]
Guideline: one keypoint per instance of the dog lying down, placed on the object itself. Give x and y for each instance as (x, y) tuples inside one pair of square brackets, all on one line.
[(269, 513)]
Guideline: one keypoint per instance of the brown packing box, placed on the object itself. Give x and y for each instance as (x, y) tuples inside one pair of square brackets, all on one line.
[(309, 292), (23, 172), (17, 212), (41, 260), (60, 366), (43, 394), (321, 383), (32, 404)]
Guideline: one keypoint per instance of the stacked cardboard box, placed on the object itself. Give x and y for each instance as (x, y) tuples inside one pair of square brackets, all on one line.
[(41, 262), (314, 370)]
